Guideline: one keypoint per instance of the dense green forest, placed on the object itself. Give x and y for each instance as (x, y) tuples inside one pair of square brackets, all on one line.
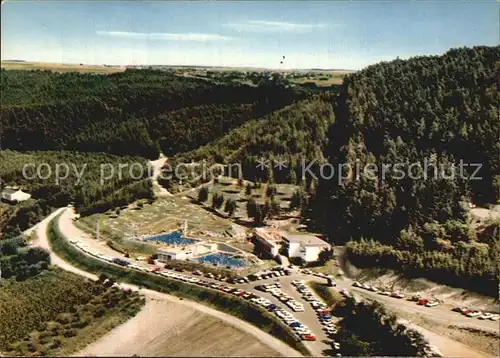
[(442, 109), (128, 113), (94, 182)]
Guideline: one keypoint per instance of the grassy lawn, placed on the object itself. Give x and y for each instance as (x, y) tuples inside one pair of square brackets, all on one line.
[(329, 268)]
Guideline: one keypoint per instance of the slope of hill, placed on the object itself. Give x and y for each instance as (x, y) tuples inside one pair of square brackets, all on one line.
[(293, 134), (435, 113)]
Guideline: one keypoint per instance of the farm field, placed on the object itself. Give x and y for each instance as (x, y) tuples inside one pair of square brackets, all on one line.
[(59, 67), (165, 328), (58, 313)]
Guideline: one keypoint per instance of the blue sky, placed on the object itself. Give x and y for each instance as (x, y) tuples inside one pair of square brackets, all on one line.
[(310, 34)]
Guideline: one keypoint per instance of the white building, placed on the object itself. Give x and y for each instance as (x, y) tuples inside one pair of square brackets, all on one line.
[(306, 247), (174, 253), (186, 252), (14, 195), (269, 239)]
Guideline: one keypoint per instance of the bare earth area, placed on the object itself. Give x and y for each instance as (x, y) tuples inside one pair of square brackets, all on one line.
[(165, 328)]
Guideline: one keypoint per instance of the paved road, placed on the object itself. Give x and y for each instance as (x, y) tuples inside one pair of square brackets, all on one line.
[(440, 314), (42, 241)]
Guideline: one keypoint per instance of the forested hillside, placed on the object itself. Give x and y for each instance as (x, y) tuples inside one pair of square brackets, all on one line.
[(94, 182), (441, 109), (295, 133), (128, 113)]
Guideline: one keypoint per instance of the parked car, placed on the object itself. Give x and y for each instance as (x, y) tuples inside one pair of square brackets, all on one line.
[(397, 294), (423, 301), (485, 315), (308, 337), (432, 303), (474, 313), (494, 317)]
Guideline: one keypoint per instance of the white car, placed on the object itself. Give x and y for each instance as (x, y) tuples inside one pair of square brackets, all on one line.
[(397, 294), (494, 317), (432, 304), (474, 314), (486, 315)]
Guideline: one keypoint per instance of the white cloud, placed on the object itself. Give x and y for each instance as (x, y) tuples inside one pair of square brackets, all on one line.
[(270, 26), (165, 36)]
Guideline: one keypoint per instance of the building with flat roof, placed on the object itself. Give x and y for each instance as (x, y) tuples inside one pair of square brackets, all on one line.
[(174, 253), (186, 252), (304, 246)]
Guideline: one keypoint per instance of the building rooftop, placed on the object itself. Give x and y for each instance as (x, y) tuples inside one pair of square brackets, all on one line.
[(172, 250), (9, 190), (268, 234), (307, 239)]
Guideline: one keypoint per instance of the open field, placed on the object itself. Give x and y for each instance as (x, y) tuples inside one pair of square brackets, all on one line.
[(60, 67), (322, 82), (164, 215), (165, 328)]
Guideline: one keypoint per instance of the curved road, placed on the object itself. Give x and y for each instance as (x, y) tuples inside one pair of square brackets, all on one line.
[(42, 241)]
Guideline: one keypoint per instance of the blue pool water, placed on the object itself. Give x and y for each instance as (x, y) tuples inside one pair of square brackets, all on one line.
[(173, 238), (222, 259)]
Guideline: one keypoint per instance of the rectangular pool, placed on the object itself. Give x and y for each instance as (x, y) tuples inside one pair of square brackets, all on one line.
[(222, 259), (173, 238)]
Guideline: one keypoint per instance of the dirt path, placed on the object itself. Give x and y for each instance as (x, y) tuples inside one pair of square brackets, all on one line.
[(157, 165), (235, 329)]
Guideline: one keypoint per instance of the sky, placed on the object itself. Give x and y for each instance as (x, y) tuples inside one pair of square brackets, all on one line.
[(310, 34)]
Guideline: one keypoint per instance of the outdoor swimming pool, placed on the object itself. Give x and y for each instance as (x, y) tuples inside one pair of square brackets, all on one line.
[(173, 238), (222, 259)]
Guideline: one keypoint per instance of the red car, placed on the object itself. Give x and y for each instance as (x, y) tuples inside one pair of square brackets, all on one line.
[(308, 337), (423, 301)]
